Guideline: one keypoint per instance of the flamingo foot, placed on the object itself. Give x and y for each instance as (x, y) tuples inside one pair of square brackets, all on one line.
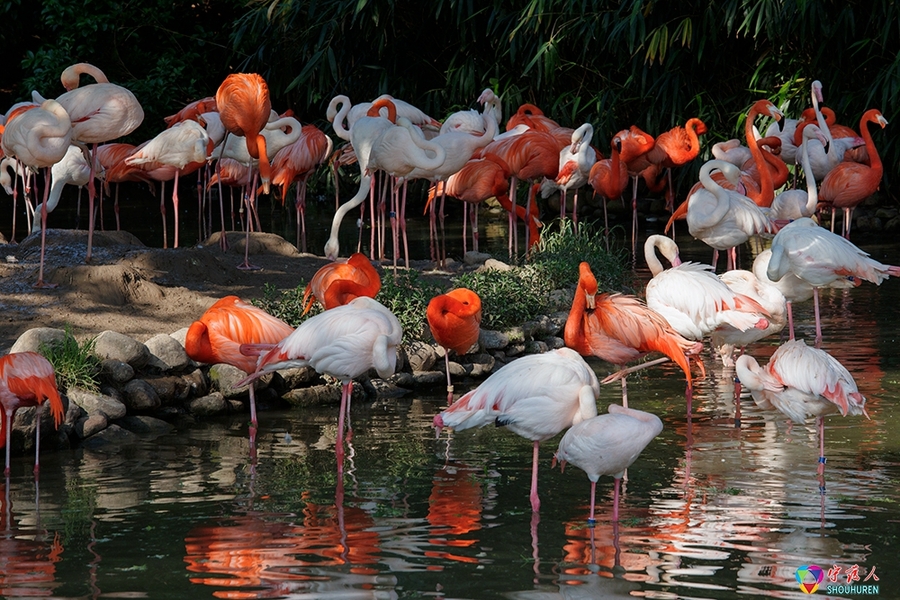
[(246, 266), (41, 284)]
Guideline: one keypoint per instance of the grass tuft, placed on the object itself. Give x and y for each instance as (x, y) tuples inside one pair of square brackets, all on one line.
[(75, 364)]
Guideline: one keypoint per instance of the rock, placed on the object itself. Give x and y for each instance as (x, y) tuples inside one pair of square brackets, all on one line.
[(457, 370), (482, 364), (207, 406), (196, 382), (535, 347), (171, 388), (89, 425), (495, 265), (402, 379), (116, 370), (554, 343), (140, 396), (144, 425), (111, 344), (111, 436), (515, 349), (180, 335), (222, 379), (32, 339), (492, 340), (428, 377), (316, 395), (421, 356), (515, 335), (475, 258), (169, 351), (868, 223), (92, 403), (297, 377)]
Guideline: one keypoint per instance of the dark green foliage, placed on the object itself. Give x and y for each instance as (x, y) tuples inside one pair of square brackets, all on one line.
[(561, 250), (407, 295), (75, 363), (508, 298), (287, 305)]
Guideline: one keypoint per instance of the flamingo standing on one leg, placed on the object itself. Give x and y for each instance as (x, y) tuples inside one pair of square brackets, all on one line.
[(455, 322), (344, 342), (536, 396), (609, 178), (607, 445), (73, 169), (39, 138), (674, 148), (800, 381), (575, 163), (820, 258), (619, 329), (217, 336), (100, 112), (27, 379)]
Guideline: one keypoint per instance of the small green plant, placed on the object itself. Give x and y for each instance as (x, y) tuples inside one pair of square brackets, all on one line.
[(75, 364), (560, 251), (407, 296), (508, 298), (287, 305)]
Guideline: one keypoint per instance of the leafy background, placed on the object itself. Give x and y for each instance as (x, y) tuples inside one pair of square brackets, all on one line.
[(649, 63)]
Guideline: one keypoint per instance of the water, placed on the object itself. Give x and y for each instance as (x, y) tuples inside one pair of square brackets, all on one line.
[(710, 512)]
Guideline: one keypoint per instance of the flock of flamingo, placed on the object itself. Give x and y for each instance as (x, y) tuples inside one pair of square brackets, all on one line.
[(537, 396)]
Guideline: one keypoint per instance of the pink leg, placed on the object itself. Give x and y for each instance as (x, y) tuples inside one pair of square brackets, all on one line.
[(346, 389), (591, 519), (562, 204), (162, 211), (615, 514), (92, 193), (403, 227), (9, 417), (737, 402), (821, 423), (175, 206), (40, 282), (449, 384), (625, 392), (790, 314), (535, 501), (818, 322), (575, 212), (223, 240), (250, 202), (465, 206)]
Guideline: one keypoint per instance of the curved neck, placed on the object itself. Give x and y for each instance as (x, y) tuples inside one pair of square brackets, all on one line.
[(71, 77), (812, 193), (874, 159), (766, 189), (722, 204), (337, 122)]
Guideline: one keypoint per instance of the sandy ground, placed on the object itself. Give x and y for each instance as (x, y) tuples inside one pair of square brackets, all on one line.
[(133, 289)]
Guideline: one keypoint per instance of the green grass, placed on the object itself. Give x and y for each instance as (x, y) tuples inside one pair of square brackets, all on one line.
[(407, 296), (287, 305), (561, 250), (75, 364), (508, 298)]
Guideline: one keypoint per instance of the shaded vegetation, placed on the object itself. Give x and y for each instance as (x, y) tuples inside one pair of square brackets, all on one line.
[(75, 363), (642, 62)]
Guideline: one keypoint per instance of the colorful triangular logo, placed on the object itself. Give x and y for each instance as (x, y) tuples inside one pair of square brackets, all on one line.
[(809, 577)]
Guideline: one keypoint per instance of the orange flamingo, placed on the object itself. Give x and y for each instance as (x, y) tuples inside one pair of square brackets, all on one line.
[(636, 143), (674, 148), (294, 164), (620, 328), (27, 379), (849, 183), (533, 117), (219, 333), (245, 108), (455, 322), (111, 157), (609, 177), (192, 111), (339, 282)]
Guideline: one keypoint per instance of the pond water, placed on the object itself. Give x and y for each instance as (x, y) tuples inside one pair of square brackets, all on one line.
[(710, 511)]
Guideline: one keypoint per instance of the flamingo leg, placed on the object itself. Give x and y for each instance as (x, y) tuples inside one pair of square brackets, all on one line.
[(395, 226), (403, 226), (821, 468), (37, 438), (346, 390), (464, 224), (591, 519), (737, 402), (249, 201), (615, 514), (9, 416), (535, 501), (162, 211), (40, 281), (790, 315), (175, 206), (92, 193), (818, 322), (575, 212), (449, 384), (625, 392)]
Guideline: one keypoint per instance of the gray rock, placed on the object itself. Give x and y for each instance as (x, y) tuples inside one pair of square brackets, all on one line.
[(116, 370), (206, 406), (535, 347), (482, 364), (457, 370), (89, 425), (196, 382), (298, 377), (144, 425), (475, 258), (32, 339), (169, 351), (180, 335), (93, 403), (171, 388), (316, 395), (515, 349), (492, 340), (421, 356), (515, 335), (140, 396), (554, 343), (428, 377), (495, 265), (222, 379), (402, 379), (111, 344), (110, 438)]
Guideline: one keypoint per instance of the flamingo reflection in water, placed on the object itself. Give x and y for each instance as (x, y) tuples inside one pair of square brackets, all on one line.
[(454, 510), (278, 554)]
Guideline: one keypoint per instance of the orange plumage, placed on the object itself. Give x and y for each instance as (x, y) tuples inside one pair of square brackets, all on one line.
[(245, 108), (339, 282), (455, 319), (192, 111)]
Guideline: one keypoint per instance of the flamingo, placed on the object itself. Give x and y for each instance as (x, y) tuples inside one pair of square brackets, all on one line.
[(192, 110), (609, 178), (849, 183), (800, 382), (636, 143), (722, 218), (100, 112), (795, 204), (183, 144), (674, 148), (607, 445), (344, 342), (536, 396), (341, 109), (455, 322), (339, 282), (234, 174), (39, 138), (73, 169), (27, 379), (244, 108), (111, 160), (787, 129), (11, 187), (619, 329), (216, 337), (820, 258), (295, 163), (732, 151), (575, 163)]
